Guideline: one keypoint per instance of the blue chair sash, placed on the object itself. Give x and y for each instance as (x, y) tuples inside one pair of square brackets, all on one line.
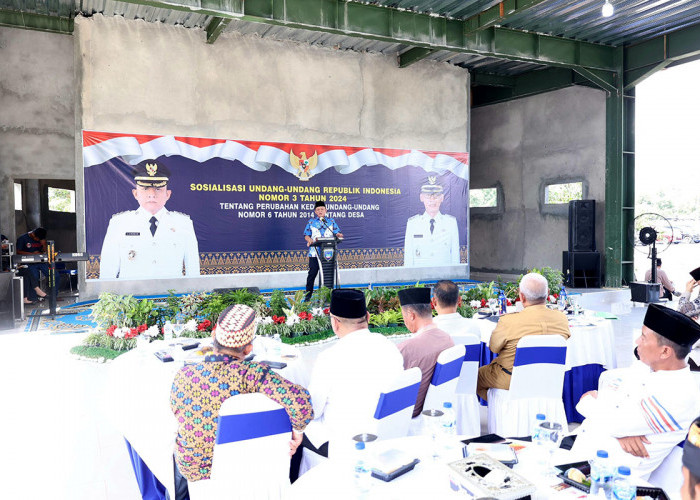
[(472, 352), (448, 371), (252, 425), (395, 401), (149, 486), (533, 355)]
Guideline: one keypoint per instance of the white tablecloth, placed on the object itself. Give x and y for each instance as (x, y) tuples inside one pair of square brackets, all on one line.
[(429, 479), (138, 401)]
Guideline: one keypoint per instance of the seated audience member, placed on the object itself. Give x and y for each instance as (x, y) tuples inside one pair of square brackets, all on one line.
[(34, 242), (666, 288), (685, 305), (690, 490), (446, 300), (429, 341), (199, 390), (348, 376), (534, 319), (640, 413)]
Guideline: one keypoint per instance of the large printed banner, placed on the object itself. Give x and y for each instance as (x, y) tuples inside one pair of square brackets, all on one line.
[(217, 206)]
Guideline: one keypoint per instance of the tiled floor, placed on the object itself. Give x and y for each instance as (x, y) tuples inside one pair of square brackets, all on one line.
[(57, 442)]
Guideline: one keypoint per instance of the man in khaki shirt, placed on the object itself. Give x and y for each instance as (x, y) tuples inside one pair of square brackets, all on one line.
[(534, 319)]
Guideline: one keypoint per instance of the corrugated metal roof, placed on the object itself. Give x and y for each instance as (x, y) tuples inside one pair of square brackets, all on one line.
[(633, 21)]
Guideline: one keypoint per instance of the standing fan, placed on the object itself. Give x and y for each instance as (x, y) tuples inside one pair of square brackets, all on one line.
[(651, 234)]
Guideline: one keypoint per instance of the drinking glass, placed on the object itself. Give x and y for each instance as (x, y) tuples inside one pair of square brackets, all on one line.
[(553, 433), (493, 306), (178, 329), (433, 427)]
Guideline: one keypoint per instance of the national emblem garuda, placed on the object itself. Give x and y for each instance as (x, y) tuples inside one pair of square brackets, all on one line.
[(303, 165)]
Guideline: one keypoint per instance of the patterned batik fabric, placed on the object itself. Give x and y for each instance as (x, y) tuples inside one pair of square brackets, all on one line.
[(198, 392)]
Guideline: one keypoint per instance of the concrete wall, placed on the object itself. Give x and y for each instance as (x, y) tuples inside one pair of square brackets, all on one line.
[(137, 77), (522, 145), (37, 103)]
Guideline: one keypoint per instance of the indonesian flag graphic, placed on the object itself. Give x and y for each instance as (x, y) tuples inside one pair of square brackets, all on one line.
[(301, 160)]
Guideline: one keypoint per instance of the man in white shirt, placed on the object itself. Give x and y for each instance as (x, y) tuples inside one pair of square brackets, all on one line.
[(445, 301), (640, 413), (348, 377)]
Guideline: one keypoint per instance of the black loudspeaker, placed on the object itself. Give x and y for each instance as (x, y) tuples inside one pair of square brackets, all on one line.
[(582, 269), (582, 226), (644, 292)]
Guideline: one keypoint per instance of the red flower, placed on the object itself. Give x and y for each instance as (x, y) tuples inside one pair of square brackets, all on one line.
[(508, 302), (327, 310), (556, 295), (279, 319), (133, 333), (517, 299), (110, 330), (142, 328), (204, 325), (483, 302)]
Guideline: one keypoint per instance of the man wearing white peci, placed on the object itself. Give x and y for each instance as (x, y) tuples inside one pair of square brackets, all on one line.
[(348, 376), (446, 300), (638, 414)]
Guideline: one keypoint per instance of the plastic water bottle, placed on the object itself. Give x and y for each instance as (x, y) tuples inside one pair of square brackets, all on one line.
[(277, 347), (538, 439), (449, 420), (562, 299), (601, 475), (622, 488), (362, 472), (168, 331), (502, 303)]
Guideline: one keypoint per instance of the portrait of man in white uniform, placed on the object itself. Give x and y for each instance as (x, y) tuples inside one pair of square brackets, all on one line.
[(432, 238), (150, 242)]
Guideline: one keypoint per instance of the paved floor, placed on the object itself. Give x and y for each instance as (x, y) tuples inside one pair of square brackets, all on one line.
[(57, 443)]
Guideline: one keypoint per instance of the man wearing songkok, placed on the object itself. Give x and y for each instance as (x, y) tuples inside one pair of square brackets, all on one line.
[(638, 414), (690, 490), (348, 376), (534, 319), (685, 305), (446, 300), (318, 227), (429, 341), (199, 390)]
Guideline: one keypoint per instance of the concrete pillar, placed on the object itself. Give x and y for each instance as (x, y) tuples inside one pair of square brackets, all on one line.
[(32, 203)]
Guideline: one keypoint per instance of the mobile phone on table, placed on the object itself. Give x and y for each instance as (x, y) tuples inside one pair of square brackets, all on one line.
[(277, 365), (164, 356)]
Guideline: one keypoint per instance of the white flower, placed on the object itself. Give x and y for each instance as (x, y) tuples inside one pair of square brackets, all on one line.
[(267, 320), (552, 299), (191, 326), (120, 332), (317, 311), (475, 303), (151, 332), (292, 319)]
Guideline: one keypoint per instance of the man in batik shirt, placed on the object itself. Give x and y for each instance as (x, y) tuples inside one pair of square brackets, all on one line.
[(199, 390)]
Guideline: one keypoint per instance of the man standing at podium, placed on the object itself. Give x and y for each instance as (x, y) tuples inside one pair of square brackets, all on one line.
[(319, 226)]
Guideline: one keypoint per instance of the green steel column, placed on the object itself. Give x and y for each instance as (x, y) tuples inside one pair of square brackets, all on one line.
[(628, 175), (615, 233)]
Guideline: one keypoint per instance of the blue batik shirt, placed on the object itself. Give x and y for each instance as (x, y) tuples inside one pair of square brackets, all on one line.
[(317, 229)]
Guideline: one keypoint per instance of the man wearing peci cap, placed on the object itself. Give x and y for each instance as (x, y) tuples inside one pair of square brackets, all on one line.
[(348, 376), (432, 238), (690, 490), (638, 414), (423, 349), (199, 390), (318, 227), (151, 241)]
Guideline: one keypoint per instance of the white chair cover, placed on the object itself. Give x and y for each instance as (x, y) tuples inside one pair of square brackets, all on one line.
[(535, 387), (669, 475), (392, 418), (251, 454), (466, 401), (396, 403), (443, 385)]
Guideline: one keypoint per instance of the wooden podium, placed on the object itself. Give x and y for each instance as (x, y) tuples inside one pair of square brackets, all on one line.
[(327, 255)]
